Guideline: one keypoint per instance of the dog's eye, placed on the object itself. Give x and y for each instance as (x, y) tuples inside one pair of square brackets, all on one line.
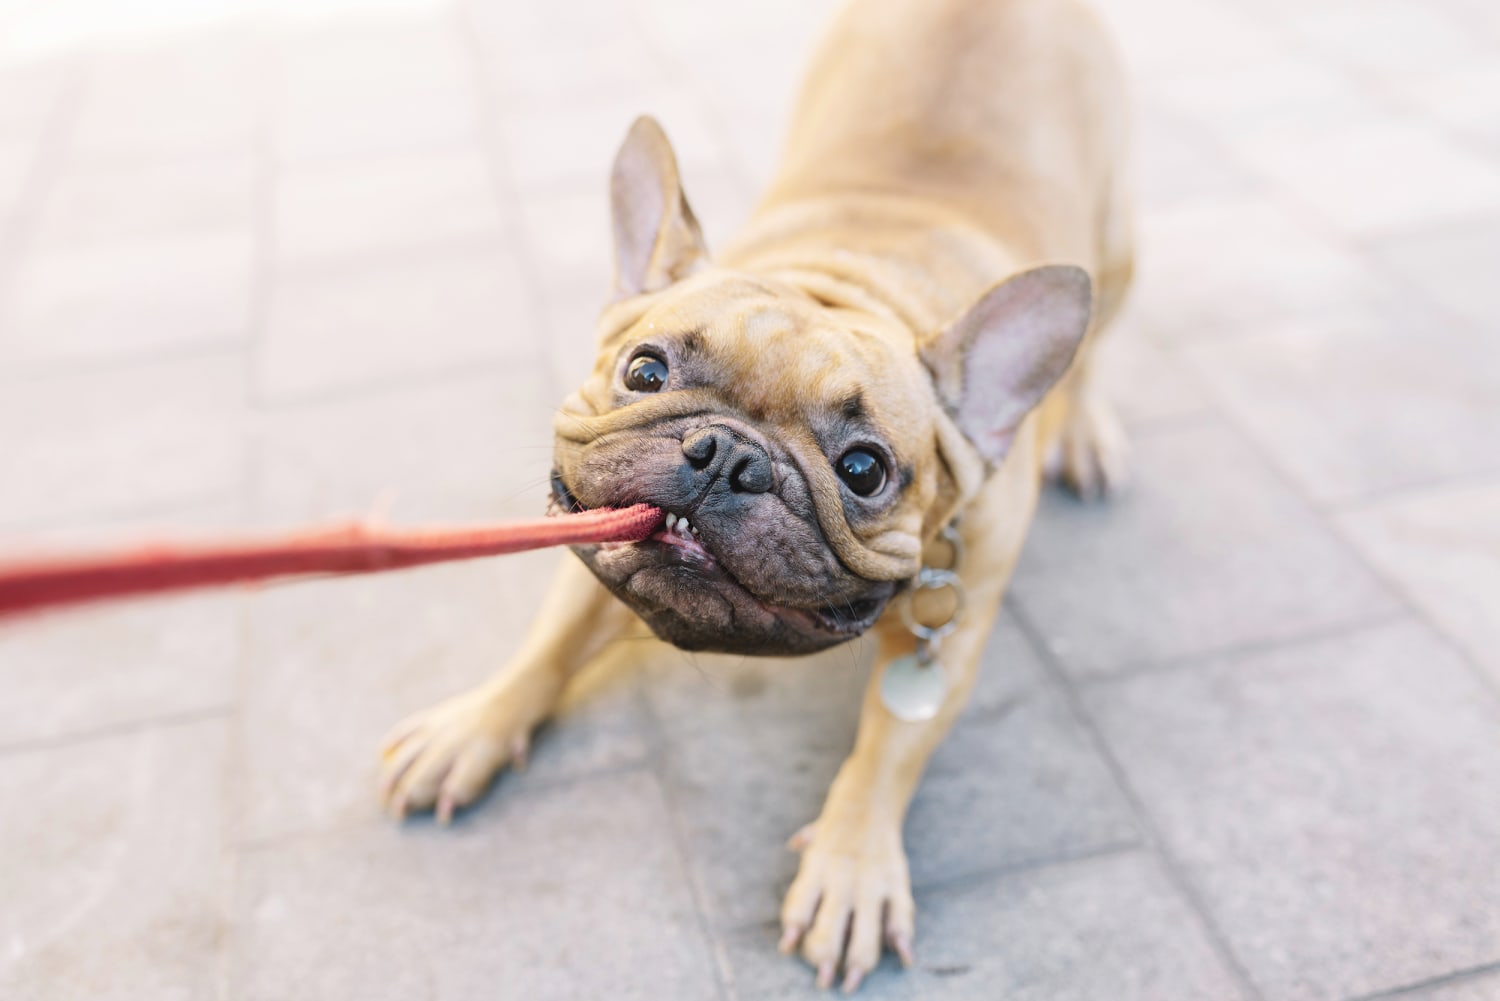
[(646, 374), (862, 470)]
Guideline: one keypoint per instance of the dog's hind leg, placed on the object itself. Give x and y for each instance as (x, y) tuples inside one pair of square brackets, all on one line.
[(444, 757), (1088, 450)]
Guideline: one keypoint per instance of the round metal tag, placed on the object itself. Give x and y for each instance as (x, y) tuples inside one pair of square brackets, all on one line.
[(911, 690)]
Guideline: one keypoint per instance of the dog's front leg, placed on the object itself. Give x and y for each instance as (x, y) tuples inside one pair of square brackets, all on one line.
[(444, 757), (853, 892)]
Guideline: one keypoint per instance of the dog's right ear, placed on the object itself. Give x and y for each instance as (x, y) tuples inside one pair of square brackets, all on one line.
[(657, 240), (997, 360)]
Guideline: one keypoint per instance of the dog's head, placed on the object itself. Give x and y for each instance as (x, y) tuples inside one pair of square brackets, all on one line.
[(803, 451)]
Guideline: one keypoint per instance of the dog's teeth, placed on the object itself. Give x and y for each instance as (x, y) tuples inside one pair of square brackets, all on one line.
[(683, 527), (671, 521)]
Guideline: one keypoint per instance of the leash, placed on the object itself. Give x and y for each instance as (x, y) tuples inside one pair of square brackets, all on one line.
[(358, 548)]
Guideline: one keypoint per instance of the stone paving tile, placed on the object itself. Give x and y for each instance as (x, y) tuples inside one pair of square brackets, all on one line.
[(114, 867), (751, 746), (1206, 551), (553, 144), (1451, 265), (755, 140), (168, 100), (1358, 406), (337, 209), (1217, 268), (378, 55), (1480, 15), (332, 666), (1322, 798), (29, 95), (723, 201), (380, 324), (96, 204), (311, 129), (567, 236), (461, 449), (1293, 93), (549, 52), (16, 159), (1146, 381), (1380, 36), (1107, 929), (1465, 100), (483, 907), (683, 27), (747, 64), (1360, 177), (183, 421), (116, 300), (1153, 50), (1442, 548), (107, 667), (372, 86), (1176, 162)]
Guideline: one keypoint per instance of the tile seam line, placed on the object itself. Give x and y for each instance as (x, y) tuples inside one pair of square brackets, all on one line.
[(1485, 479), (374, 389), (948, 885), (110, 731), (1322, 226), (726, 148), (1453, 977), (374, 818), (1352, 626), (494, 146), (1187, 891), (112, 517), (220, 347), (723, 973), (1330, 524), (53, 142), (1401, 497)]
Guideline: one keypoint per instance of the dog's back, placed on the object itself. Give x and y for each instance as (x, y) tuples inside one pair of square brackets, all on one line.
[(1009, 111)]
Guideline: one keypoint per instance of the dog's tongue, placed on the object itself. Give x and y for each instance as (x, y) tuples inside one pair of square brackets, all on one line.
[(75, 578)]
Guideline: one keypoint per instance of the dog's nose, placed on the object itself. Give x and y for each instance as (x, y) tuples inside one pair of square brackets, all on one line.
[(718, 450)]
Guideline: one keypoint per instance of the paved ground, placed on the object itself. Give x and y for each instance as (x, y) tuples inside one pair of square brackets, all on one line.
[(1240, 736)]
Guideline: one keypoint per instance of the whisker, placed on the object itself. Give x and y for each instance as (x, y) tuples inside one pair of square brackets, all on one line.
[(532, 485), (595, 435)]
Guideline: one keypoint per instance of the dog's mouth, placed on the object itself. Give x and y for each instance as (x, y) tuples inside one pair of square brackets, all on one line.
[(680, 543), (562, 500)]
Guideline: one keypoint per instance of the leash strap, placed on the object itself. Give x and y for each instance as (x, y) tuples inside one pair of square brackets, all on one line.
[(358, 548)]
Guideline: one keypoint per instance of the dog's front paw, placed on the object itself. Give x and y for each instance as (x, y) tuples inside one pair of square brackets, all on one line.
[(444, 757), (851, 895)]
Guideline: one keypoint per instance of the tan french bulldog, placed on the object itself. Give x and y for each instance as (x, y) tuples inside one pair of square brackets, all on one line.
[(891, 347)]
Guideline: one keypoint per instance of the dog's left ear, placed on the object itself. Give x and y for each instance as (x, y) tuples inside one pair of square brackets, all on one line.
[(1000, 357), (657, 239)]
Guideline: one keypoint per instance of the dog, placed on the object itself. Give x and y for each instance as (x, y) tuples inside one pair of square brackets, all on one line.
[(865, 385)]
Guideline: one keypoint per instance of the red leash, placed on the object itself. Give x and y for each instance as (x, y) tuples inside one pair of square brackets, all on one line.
[(30, 585)]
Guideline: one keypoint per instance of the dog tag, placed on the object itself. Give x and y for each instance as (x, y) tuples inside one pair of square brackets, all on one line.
[(911, 690)]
